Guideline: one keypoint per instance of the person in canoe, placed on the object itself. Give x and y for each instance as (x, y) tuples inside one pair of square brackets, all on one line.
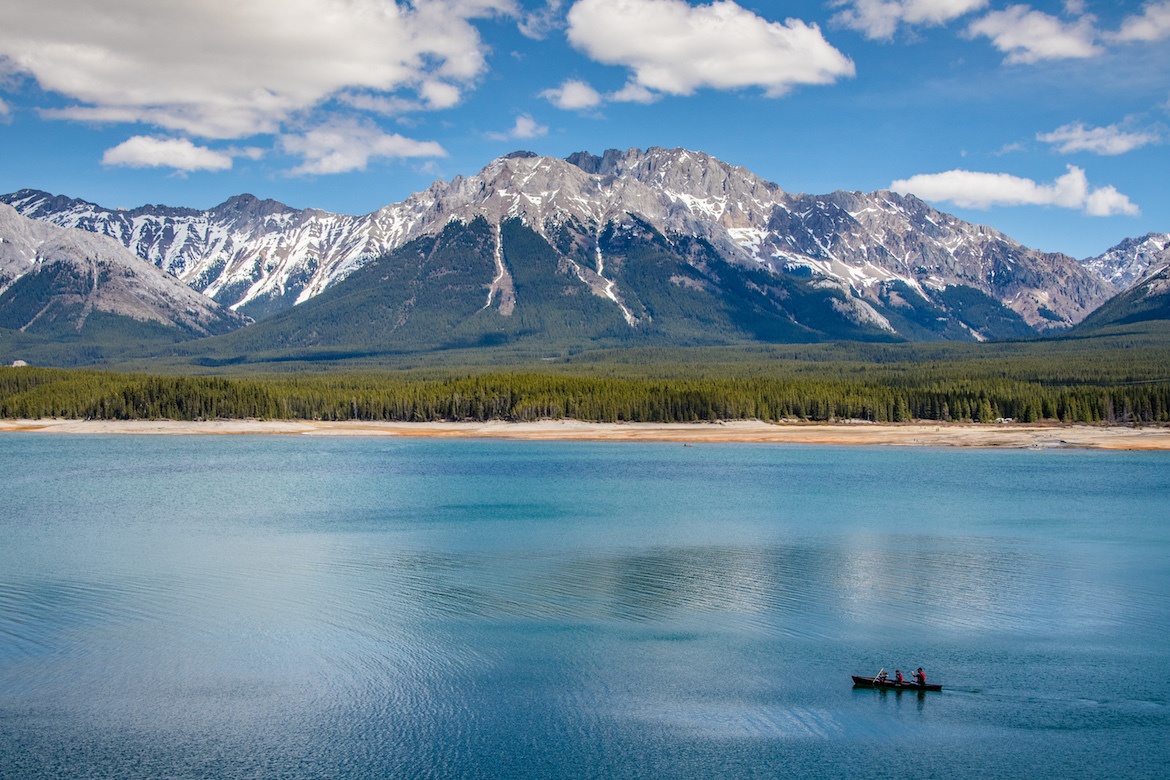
[(920, 677), (898, 676), (881, 676)]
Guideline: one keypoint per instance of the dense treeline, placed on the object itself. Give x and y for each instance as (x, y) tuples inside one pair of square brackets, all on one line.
[(36, 393)]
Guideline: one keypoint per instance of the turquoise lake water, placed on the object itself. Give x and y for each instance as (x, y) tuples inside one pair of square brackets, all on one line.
[(301, 607)]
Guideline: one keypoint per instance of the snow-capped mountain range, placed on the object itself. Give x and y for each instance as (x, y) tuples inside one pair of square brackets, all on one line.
[(1133, 259), (55, 279), (259, 257)]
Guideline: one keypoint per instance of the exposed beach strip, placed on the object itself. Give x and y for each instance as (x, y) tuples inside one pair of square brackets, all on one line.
[(923, 434)]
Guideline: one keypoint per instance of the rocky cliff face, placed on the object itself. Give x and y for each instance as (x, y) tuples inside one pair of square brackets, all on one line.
[(1131, 260), (888, 254), (56, 279)]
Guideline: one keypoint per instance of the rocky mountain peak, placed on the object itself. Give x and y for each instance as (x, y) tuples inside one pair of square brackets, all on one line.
[(1134, 258), (680, 170), (248, 206), (38, 204), (262, 256)]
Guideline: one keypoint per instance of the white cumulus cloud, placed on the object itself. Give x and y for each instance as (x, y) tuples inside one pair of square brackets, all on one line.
[(346, 146), (1028, 36), (880, 18), (573, 95), (1107, 201), (220, 69), (1153, 24), (1111, 140), (525, 127), (143, 151), (676, 48), (972, 189)]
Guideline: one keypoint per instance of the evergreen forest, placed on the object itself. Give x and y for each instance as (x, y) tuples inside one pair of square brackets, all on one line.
[(889, 394)]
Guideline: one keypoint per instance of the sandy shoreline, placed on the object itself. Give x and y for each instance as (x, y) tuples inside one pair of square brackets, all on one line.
[(1008, 435)]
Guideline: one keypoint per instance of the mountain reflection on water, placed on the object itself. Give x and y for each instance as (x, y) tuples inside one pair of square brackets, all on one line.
[(288, 607)]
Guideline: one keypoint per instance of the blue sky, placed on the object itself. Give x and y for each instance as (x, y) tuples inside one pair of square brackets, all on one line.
[(1048, 121)]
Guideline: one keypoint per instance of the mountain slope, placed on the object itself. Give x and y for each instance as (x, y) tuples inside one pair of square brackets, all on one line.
[(482, 285), (884, 261), (1147, 300), (57, 281)]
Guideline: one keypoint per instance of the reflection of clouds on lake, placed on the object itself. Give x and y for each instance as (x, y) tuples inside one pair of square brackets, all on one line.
[(739, 720), (656, 584), (947, 583), (973, 584), (960, 584), (645, 585)]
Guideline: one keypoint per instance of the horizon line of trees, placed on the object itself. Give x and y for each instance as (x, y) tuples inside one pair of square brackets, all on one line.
[(79, 394)]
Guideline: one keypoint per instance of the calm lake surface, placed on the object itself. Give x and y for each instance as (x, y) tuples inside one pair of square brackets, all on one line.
[(300, 607)]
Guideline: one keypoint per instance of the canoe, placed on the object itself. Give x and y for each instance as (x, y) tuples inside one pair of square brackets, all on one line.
[(873, 682)]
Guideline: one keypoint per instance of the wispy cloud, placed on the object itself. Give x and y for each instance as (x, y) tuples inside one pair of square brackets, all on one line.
[(539, 23), (1028, 36), (879, 19), (676, 48), (972, 189), (525, 127), (384, 105), (633, 92), (345, 146), (1111, 140)]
